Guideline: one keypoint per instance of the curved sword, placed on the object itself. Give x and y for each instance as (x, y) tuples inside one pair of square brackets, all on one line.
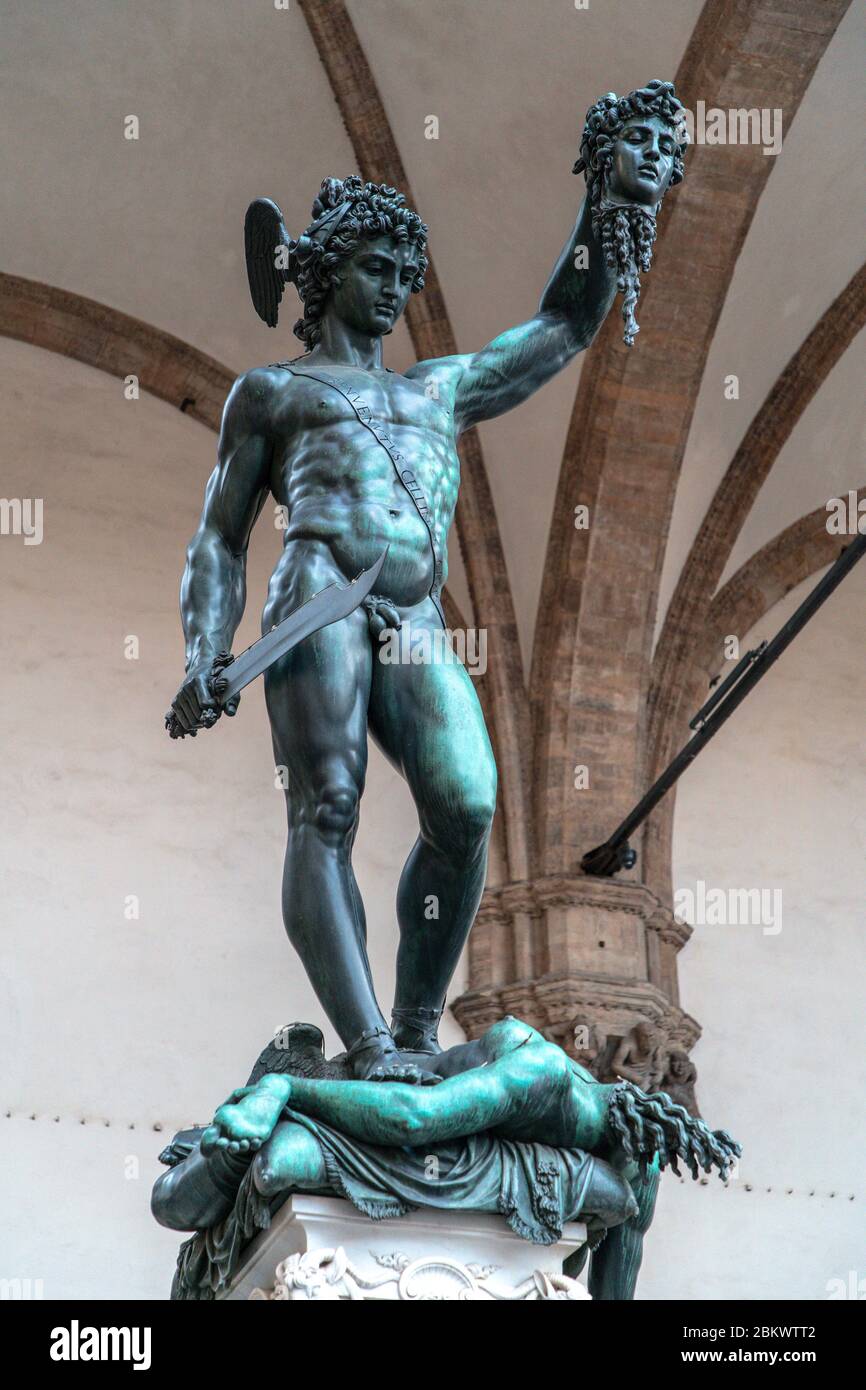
[(230, 674)]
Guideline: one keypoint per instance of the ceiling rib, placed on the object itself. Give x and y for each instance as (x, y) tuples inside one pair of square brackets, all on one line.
[(794, 555), (629, 428), (102, 337), (378, 158), (747, 472)]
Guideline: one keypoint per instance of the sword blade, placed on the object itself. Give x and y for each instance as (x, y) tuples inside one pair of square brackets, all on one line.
[(327, 606)]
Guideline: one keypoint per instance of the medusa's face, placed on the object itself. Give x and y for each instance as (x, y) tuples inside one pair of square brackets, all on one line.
[(643, 161), (375, 284)]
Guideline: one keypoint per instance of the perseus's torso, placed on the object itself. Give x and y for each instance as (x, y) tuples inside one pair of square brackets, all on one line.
[(340, 485)]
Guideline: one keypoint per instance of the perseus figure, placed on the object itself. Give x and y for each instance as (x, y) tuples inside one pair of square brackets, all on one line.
[(363, 460)]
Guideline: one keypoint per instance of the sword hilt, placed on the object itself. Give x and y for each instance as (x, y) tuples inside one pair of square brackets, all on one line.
[(217, 684), (217, 680)]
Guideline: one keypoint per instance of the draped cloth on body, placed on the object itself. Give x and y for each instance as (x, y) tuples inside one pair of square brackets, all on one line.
[(535, 1187)]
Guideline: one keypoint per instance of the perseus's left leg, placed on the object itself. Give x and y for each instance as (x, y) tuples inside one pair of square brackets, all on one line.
[(426, 717)]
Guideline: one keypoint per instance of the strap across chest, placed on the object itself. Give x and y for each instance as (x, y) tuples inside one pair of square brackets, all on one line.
[(407, 477)]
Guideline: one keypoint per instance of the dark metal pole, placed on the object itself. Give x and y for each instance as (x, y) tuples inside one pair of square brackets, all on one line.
[(615, 854)]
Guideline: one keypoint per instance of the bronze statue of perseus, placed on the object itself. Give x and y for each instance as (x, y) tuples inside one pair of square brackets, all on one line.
[(363, 461)]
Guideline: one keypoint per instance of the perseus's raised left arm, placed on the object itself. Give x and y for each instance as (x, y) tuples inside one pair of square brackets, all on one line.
[(574, 305)]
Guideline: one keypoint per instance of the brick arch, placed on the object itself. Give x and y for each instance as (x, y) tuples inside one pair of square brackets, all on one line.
[(692, 601), (117, 343), (795, 554), (792, 556), (375, 148), (628, 432)]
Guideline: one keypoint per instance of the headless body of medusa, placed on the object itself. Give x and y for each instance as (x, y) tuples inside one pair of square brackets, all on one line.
[(300, 440), (511, 1083)]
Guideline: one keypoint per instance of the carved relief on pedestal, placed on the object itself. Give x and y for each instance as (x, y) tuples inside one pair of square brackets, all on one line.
[(330, 1275)]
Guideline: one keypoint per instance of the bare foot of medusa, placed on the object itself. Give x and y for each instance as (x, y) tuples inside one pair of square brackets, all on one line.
[(249, 1116)]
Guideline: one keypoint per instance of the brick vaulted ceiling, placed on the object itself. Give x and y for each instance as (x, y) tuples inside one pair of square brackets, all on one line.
[(696, 609), (629, 431), (588, 699)]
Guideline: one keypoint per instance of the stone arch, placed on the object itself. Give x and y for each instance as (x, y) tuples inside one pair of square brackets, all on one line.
[(796, 553), (625, 445)]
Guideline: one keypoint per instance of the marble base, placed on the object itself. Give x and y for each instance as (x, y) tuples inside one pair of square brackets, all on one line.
[(322, 1248)]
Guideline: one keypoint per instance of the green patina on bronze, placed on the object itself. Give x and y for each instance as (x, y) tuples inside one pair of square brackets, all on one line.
[(515, 1127)]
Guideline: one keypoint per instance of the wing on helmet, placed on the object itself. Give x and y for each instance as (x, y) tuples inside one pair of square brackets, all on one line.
[(268, 252)]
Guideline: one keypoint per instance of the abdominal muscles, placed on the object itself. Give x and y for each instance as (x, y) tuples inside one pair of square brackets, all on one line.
[(352, 500), (357, 535)]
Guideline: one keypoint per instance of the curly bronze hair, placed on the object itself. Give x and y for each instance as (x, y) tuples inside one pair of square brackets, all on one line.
[(605, 121), (650, 1125), (374, 210), (627, 233)]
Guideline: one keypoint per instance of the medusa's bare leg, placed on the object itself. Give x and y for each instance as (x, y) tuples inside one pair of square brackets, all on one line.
[(248, 1118), (532, 1085)]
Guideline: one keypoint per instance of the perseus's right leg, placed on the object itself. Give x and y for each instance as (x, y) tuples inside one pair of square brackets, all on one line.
[(317, 699)]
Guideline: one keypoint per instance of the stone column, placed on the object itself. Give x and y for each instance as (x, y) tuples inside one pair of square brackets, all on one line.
[(582, 959)]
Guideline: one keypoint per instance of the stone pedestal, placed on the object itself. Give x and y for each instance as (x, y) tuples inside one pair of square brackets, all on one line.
[(322, 1248)]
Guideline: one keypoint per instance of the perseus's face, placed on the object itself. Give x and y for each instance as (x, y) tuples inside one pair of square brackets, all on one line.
[(375, 285), (643, 161)]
